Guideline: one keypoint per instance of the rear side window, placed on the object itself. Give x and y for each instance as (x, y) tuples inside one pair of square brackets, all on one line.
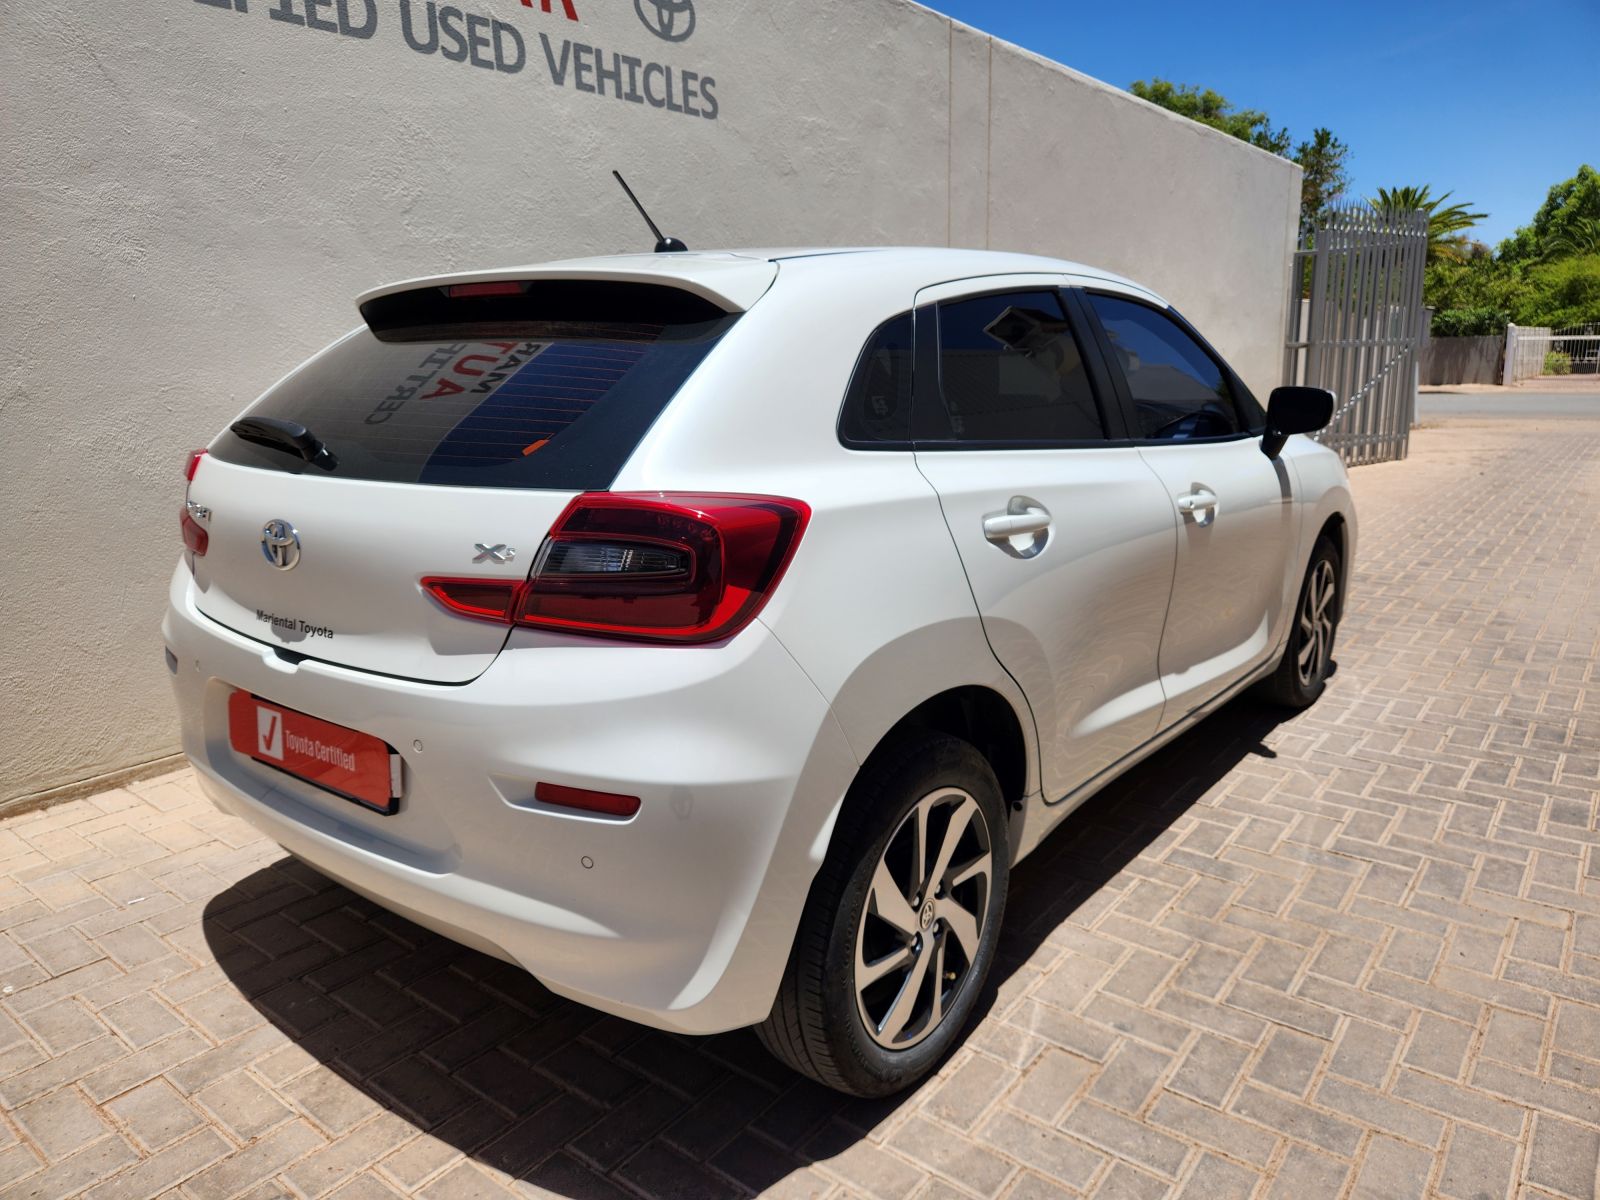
[(1011, 371), (1178, 390), (535, 389), (877, 408)]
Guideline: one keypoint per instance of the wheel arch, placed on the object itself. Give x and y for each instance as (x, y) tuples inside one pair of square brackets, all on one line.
[(981, 716), (1337, 530)]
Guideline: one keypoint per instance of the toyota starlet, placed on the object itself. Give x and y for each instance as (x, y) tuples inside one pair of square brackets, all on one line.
[(710, 633)]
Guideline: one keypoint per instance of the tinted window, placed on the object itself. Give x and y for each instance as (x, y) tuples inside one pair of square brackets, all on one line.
[(1178, 389), (877, 408), (1011, 371), (536, 404)]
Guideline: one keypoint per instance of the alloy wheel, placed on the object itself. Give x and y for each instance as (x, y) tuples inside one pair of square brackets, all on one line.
[(927, 909), (1316, 624)]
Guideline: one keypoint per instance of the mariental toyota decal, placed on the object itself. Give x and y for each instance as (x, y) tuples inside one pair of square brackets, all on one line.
[(454, 34)]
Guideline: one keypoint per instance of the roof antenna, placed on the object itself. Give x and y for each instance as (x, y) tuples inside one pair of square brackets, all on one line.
[(664, 244)]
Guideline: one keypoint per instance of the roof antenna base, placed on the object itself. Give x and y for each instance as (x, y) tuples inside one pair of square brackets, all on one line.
[(664, 244)]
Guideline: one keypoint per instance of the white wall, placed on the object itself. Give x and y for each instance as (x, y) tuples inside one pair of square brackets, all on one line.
[(192, 195)]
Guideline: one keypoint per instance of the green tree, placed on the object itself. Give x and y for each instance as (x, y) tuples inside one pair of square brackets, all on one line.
[(1547, 273), (1469, 322), (1579, 236), (1563, 224), (1209, 108), (1446, 224), (1325, 180), (1561, 294)]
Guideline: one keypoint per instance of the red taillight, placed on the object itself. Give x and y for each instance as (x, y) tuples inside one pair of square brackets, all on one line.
[(656, 567), (194, 535), (608, 804), (195, 538)]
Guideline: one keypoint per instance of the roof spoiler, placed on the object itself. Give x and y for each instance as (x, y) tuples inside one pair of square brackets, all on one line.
[(513, 307)]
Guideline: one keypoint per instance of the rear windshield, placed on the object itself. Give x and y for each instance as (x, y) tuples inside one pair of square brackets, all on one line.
[(524, 396)]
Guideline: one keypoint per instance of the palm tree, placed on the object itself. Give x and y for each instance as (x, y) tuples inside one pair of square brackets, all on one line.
[(1445, 225), (1581, 236)]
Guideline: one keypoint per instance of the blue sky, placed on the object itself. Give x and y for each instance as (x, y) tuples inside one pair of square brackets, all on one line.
[(1493, 101)]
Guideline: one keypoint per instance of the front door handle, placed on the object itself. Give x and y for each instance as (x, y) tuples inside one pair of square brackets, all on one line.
[(1022, 530), (1000, 527), (1201, 500)]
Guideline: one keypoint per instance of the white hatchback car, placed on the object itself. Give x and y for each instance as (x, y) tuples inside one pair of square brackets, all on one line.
[(709, 633)]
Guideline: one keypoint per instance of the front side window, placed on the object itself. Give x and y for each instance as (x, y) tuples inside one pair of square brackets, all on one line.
[(877, 407), (1178, 390), (1011, 371)]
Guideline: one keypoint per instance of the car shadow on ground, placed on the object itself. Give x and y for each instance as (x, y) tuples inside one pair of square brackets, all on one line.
[(477, 1054)]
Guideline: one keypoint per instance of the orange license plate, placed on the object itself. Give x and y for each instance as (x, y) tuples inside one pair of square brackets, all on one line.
[(354, 765)]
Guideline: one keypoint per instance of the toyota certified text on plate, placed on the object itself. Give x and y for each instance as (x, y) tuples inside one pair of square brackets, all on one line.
[(711, 633)]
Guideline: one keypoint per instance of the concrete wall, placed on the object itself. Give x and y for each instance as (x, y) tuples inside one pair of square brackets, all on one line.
[(1461, 360), (194, 191)]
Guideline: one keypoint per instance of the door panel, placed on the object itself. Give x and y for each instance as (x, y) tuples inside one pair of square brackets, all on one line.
[(1234, 550), (1237, 532), (1077, 620), (1066, 536)]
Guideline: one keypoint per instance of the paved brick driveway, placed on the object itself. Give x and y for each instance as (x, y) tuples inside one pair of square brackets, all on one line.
[(1356, 953)]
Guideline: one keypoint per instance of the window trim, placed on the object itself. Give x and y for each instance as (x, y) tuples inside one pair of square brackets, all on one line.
[(896, 445), (1119, 381), (928, 382)]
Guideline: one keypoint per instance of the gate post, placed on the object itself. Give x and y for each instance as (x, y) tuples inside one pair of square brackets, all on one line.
[(1317, 310), (1508, 372)]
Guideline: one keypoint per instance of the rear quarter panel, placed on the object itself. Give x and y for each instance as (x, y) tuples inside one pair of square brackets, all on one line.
[(875, 606)]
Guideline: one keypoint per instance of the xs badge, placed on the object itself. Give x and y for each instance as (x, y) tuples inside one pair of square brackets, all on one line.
[(501, 554)]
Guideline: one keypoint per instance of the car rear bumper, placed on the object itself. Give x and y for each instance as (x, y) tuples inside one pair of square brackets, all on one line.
[(680, 917)]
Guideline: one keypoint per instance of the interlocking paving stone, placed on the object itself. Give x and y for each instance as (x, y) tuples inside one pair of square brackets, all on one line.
[(1564, 1156), (61, 1123), (1392, 1170), (1478, 1164), (1350, 952), (154, 1114)]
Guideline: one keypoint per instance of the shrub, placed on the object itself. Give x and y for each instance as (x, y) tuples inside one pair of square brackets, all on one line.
[(1557, 363), (1558, 293), (1565, 292), (1477, 321)]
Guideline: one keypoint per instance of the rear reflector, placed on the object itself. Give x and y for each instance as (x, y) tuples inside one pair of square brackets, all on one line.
[(194, 535), (661, 567), (485, 599), (608, 804)]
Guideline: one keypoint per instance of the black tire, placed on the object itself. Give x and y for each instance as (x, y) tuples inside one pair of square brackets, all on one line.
[(818, 1024), (1291, 685)]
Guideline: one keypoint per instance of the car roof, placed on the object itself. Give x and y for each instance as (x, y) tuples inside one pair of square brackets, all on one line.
[(736, 279)]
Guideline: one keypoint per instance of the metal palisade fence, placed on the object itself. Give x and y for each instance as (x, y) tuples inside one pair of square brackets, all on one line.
[(1532, 351), (1356, 323)]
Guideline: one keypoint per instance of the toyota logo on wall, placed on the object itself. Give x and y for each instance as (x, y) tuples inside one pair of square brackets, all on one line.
[(280, 544), (670, 20)]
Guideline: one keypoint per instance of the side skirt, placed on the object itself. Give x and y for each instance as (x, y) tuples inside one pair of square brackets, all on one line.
[(1041, 816)]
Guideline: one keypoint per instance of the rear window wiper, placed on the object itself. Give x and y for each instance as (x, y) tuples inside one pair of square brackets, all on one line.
[(289, 436)]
